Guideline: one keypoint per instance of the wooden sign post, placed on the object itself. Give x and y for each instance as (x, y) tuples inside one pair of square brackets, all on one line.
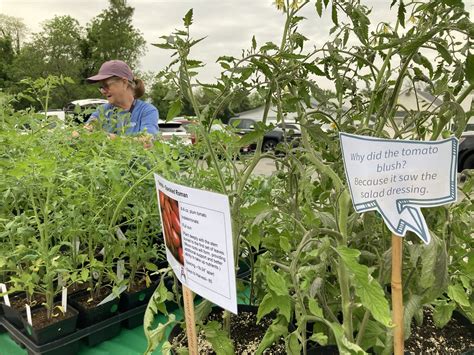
[(397, 295), (188, 298)]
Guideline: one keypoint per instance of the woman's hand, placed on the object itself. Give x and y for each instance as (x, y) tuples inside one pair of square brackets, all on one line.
[(146, 140)]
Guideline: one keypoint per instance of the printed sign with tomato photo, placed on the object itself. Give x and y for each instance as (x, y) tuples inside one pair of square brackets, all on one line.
[(171, 226)]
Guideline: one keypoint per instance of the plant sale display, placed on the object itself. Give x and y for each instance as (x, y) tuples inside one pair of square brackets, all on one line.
[(395, 178)]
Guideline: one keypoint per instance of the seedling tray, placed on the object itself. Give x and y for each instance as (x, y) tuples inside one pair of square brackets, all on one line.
[(21, 337)]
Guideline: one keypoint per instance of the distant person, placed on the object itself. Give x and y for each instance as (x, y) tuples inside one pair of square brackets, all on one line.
[(124, 111)]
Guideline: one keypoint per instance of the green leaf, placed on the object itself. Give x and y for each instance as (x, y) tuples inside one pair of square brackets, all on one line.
[(313, 69), (276, 282), (361, 25), (266, 306), (156, 336), (166, 348), (163, 45), (284, 305), (218, 338), (155, 305), (285, 243), (374, 336), (412, 305), (250, 137), (174, 110), (254, 43), (293, 346), (202, 310), (401, 13), (320, 338), (287, 55), (151, 266), (269, 46), (327, 219), (412, 46), (188, 18), (255, 209), (334, 15), (263, 68), (442, 313), (277, 329), (434, 269), (458, 294), (314, 308), (470, 68), (422, 60), (255, 237), (444, 53), (246, 73), (366, 287), (319, 7), (453, 3), (343, 344), (84, 274)]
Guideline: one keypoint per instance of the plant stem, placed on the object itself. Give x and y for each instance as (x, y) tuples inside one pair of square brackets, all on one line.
[(378, 81)]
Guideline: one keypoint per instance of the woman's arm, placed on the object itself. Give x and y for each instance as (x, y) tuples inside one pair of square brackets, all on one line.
[(149, 120)]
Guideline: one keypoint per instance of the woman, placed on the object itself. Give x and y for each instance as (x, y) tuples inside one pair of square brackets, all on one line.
[(124, 112)]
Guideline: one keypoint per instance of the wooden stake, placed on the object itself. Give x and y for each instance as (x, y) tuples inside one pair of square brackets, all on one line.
[(188, 297), (397, 295)]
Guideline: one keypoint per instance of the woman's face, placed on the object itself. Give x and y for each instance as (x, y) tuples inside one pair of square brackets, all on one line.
[(114, 89)]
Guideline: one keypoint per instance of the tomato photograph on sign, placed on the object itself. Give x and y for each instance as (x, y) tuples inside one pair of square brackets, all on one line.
[(171, 226)]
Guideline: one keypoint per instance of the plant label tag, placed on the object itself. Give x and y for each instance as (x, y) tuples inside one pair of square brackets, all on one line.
[(119, 234), (120, 268), (77, 244), (60, 280), (398, 177), (6, 299), (113, 295), (64, 299), (28, 314), (197, 230)]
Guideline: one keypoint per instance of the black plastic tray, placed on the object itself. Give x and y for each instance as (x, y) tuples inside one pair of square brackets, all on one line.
[(21, 337)]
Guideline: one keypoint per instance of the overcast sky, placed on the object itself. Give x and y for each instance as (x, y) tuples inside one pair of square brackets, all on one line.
[(228, 24)]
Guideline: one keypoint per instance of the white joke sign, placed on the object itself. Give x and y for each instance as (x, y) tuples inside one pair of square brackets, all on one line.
[(198, 237), (397, 177)]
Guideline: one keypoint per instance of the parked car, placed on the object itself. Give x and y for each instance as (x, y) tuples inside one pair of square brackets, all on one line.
[(271, 138), (79, 111), (168, 130), (466, 147), (187, 123)]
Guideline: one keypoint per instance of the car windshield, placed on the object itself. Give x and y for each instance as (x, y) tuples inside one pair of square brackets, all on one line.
[(288, 126), (244, 123)]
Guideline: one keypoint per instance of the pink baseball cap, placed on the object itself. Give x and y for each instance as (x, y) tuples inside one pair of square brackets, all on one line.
[(112, 68)]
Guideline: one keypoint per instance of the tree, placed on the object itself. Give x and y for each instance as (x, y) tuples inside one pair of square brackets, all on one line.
[(162, 95), (6, 58), (111, 35), (55, 50), (13, 28)]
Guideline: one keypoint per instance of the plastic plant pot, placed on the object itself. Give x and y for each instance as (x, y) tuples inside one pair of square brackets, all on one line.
[(90, 316), (52, 331), (129, 300), (12, 314)]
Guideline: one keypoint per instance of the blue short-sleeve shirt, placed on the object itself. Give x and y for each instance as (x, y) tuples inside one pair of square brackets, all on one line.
[(142, 117)]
